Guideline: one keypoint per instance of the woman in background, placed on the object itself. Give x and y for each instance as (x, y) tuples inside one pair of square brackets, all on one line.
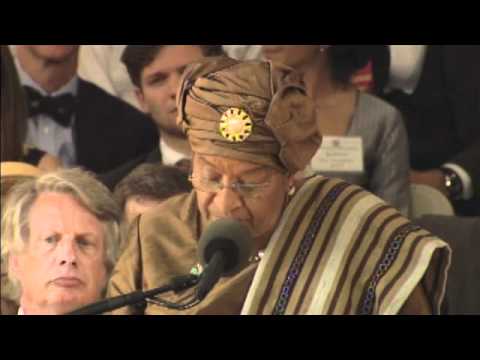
[(344, 111)]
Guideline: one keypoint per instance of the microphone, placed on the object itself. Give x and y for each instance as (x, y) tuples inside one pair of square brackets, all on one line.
[(224, 249), (177, 284)]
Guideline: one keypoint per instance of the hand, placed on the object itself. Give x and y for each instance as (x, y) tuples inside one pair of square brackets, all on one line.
[(433, 178)]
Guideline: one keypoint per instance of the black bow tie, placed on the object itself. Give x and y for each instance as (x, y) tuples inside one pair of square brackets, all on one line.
[(59, 108)]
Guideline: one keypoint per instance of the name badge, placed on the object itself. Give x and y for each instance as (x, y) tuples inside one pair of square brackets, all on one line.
[(339, 154)]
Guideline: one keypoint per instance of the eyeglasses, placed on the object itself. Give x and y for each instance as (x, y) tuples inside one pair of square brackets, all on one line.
[(243, 189)]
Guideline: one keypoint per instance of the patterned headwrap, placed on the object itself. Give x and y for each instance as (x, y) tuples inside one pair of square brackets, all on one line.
[(251, 111)]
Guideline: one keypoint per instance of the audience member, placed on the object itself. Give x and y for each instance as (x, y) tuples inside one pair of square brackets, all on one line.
[(365, 141), (155, 71), (436, 88), (60, 238), (148, 186), (75, 120)]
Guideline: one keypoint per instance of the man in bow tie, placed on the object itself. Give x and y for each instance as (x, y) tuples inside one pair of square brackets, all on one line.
[(73, 119)]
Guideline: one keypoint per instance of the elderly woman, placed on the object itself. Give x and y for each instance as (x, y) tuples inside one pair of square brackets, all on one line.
[(60, 236), (344, 111), (321, 247)]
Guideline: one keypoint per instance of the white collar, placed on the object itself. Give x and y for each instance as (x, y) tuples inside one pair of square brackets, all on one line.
[(70, 87), (170, 156)]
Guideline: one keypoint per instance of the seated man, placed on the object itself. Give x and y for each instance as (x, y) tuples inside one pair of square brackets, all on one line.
[(73, 119), (148, 186), (321, 246), (155, 72), (60, 237), (437, 87)]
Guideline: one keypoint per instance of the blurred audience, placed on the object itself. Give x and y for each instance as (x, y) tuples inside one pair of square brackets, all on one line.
[(243, 52), (148, 186), (73, 119), (101, 65), (60, 239), (344, 112)]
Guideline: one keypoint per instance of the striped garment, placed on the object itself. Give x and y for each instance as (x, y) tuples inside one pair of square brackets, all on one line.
[(341, 250), (338, 249)]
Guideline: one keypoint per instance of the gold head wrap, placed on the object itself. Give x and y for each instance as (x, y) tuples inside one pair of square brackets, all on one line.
[(251, 111)]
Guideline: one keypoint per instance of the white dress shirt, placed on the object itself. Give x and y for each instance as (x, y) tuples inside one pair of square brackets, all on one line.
[(406, 65), (244, 52), (43, 132), (170, 156)]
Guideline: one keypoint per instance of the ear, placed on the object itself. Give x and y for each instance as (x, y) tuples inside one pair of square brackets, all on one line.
[(141, 100)]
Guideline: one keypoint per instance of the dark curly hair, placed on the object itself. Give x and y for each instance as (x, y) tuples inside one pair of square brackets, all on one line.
[(137, 57), (346, 60)]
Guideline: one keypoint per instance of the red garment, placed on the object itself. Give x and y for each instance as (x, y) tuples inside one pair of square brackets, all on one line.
[(363, 79)]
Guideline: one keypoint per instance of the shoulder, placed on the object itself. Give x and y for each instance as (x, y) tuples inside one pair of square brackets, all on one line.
[(377, 106), (114, 176), (167, 239), (174, 215), (332, 194), (379, 116), (391, 244)]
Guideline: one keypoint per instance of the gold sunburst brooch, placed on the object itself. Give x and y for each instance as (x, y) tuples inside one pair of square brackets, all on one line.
[(236, 125)]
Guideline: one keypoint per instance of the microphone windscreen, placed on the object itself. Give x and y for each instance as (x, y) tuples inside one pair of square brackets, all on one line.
[(230, 237)]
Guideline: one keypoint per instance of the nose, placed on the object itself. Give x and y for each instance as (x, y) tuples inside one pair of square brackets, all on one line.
[(227, 201), (68, 251)]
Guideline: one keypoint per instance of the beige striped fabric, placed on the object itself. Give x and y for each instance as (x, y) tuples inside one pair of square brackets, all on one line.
[(341, 250)]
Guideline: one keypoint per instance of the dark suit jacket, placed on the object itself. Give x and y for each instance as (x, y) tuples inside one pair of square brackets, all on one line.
[(442, 116), (113, 177), (109, 132)]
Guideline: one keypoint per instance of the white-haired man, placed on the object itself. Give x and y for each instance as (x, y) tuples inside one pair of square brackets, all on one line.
[(61, 236)]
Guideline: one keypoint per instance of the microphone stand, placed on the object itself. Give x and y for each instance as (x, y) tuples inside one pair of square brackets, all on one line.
[(178, 284)]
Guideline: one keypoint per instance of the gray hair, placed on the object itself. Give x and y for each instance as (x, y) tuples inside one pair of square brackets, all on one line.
[(82, 186)]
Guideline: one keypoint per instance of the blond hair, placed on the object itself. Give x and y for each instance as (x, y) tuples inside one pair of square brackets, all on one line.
[(82, 186)]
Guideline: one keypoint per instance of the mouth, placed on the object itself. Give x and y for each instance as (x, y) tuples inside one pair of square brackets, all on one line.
[(242, 221), (67, 282)]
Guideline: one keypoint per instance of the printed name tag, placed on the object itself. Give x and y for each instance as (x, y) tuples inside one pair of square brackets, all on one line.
[(339, 154)]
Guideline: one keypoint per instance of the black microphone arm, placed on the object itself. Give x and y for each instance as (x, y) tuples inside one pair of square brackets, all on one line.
[(178, 284), (211, 275)]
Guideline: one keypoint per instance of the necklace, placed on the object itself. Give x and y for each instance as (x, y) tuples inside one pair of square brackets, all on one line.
[(197, 270)]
